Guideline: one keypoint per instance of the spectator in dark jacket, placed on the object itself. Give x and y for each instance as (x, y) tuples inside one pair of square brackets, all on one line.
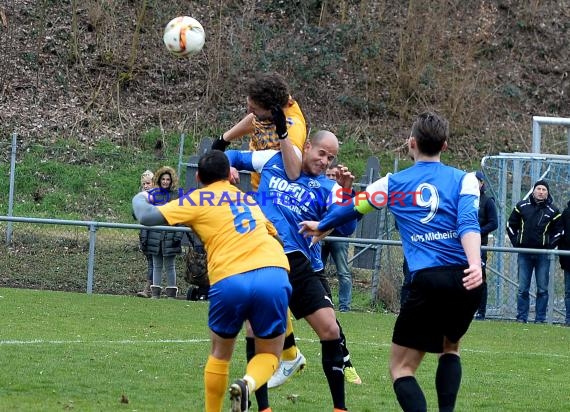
[(488, 222), (164, 245), (534, 223), (565, 260), (146, 185)]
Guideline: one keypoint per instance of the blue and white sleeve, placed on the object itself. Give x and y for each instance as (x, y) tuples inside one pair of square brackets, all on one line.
[(468, 206), (248, 160)]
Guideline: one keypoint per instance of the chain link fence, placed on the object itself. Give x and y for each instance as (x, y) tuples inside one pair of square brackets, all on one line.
[(58, 257), (510, 178)]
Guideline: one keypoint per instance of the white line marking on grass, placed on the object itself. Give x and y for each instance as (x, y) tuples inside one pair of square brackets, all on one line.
[(542, 354), (387, 345), (310, 340)]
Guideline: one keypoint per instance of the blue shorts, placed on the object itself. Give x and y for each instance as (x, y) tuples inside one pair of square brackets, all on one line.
[(260, 296)]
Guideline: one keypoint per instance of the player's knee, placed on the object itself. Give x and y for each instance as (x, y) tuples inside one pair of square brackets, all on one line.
[(400, 371), (394, 370), (330, 331)]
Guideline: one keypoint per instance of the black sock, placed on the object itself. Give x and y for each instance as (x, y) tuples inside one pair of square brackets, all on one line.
[(410, 395), (333, 367), (447, 381), (261, 394), (289, 341), (345, 352)]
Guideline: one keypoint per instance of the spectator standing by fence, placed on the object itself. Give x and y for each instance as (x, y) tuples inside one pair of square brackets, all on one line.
[(488, 222), (146, 185), (565, 260), (338, 251), (164, 245), (534, 223)]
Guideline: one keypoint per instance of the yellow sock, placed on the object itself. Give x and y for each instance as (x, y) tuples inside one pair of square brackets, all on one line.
[(259, 370), (216, 377), (289, 352)]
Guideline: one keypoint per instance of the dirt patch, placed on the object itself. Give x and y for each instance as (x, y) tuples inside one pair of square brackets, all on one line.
[(98, 68)]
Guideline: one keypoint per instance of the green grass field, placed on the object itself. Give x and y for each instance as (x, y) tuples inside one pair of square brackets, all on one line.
[(73, 351)]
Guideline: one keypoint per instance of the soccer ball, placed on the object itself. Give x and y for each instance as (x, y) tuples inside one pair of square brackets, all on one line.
[(184, 36)]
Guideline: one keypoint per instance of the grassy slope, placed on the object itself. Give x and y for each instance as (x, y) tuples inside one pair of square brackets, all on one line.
[(69, 180), (65, 179)]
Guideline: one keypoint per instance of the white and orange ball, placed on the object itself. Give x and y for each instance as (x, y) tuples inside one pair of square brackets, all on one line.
[(184, 36)]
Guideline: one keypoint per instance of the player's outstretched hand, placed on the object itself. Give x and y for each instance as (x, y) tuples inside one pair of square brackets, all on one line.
[(220, 144), (344, 177), (473, 278), (234, 176), (310, 228)]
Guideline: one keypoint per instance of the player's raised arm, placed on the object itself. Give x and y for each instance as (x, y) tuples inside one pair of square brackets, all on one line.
[(291, 155)]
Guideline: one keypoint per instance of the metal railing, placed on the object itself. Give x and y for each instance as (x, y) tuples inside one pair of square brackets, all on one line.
[(93, 226)]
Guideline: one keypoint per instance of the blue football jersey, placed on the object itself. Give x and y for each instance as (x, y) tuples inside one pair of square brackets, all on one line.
[(286, 203), (434, 205)]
